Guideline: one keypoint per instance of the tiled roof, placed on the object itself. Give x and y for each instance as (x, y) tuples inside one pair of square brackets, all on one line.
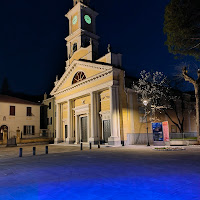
[(9, 99)]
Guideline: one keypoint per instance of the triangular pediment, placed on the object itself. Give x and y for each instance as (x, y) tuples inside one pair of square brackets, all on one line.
[(90, 69)]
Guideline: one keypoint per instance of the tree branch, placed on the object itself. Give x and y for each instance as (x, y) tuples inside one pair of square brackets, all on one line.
[(187, 77), (194, 46), (172, 120)]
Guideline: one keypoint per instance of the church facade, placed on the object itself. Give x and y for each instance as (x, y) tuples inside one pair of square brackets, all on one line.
[(93, 101)]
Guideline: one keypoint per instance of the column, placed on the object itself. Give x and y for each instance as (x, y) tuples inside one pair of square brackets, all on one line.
[(70, 137), (77, 134), (58, 124), (70, 26), (98, 119), (114, 117), (93, 118)]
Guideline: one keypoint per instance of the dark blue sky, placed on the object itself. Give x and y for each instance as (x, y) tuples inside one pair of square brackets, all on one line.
[(33, 49)]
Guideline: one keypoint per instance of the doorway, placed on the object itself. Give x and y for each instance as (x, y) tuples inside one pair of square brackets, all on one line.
[(106, 130), (2, 128), (84, 129), (66, 131)]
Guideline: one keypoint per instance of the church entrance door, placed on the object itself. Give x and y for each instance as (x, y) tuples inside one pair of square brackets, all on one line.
[(106, 130), (84, 135)]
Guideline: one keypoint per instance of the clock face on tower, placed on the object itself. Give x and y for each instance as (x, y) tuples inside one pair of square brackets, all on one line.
[(75, 19), (88, 19)]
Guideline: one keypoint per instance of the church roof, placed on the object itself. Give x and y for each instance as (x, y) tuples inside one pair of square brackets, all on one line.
[(9, 99), (101, 63)]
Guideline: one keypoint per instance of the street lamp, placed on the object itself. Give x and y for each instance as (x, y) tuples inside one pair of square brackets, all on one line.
[(145, 102)]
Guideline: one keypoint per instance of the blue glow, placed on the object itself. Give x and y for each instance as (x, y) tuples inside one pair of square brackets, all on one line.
[(82, 183), (109, 175)]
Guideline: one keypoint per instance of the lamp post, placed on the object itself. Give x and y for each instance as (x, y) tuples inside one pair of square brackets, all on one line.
[(145, 102)]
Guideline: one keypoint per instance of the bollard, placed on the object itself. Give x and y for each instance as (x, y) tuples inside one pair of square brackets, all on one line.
[(20, 152), (99, 145), (81, 146), (34, 150), (90, 145), (47, 150)]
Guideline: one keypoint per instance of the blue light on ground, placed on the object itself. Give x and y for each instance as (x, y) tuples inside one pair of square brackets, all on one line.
[(94, 180)]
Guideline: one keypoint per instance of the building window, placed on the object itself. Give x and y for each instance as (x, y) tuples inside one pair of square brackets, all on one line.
[(29, 130), (49, 105), (74, 47), (29, 111), (79, 76), (50, 121), (12, 110)]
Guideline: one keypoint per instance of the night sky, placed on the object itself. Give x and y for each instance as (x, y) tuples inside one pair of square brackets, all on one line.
[(33, 49)]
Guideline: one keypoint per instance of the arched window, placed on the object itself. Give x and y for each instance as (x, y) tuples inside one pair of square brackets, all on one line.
[(74, 47), (79, 76)]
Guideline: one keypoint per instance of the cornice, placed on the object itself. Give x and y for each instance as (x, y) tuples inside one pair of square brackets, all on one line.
[(70, 69), (80, 6), (84, 82), (88, 91), (72, 11), (80, 32)]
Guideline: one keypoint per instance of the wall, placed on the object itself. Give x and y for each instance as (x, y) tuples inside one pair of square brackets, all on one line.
[(20, 119), (51, 113)]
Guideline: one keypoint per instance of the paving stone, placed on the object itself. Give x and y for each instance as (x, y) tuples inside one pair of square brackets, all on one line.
[(134, 172)]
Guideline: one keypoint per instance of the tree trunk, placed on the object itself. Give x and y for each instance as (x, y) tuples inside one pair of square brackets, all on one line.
[(196, 84), (197, 92)]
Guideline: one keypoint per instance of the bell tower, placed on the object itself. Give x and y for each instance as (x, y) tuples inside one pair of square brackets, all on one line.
[(86, 2), (82, 30)]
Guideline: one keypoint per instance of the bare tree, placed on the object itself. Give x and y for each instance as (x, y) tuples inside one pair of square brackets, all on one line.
[(155, 88), (196, 85)]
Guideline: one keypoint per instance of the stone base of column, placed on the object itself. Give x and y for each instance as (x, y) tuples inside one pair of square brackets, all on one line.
[(114, 141), (58, 140), (69, 140)]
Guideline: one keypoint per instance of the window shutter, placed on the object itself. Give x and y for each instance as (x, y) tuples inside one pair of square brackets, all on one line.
[(24, 130), (33, 130), (29, 112), (12, 110)]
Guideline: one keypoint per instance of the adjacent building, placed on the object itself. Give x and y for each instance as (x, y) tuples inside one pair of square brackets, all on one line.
[(48, 114), (18, 114), (93, 98)]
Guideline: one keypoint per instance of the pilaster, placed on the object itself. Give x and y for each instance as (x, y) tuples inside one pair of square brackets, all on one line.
[(77, 129), (58, 124), (94, 115), (115, 118), (70, 137), (130, 94)]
